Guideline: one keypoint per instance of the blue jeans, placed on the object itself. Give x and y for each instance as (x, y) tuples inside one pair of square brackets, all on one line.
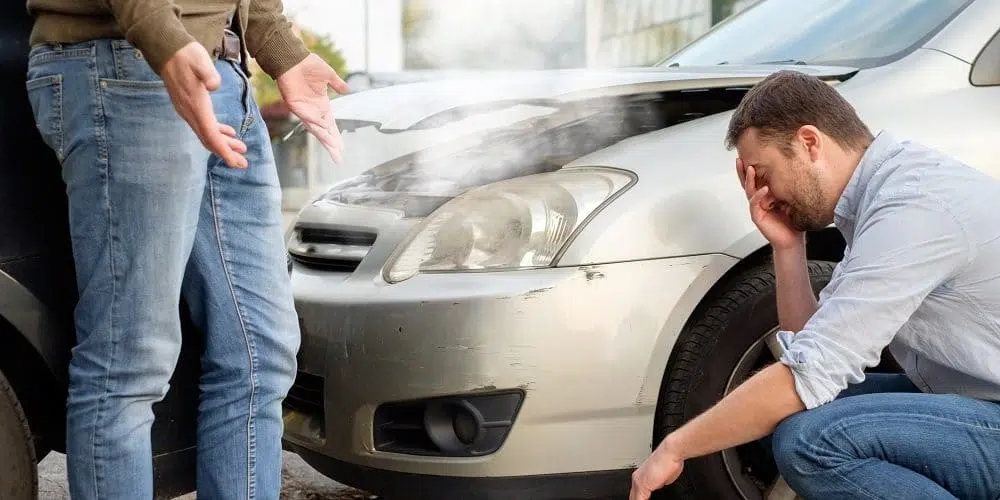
[(884, 439), (153, 216)]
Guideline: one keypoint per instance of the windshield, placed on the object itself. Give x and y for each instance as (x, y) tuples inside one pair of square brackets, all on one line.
[(857, 33)]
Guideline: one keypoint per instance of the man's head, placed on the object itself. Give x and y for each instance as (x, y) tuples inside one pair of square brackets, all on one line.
[(803, 140)]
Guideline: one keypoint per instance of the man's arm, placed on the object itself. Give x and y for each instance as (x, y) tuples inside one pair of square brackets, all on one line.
[(153, 26), (902, 253), (270, 39), (795, 297)]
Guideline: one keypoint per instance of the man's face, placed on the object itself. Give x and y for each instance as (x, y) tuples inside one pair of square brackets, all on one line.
[(795, 181)]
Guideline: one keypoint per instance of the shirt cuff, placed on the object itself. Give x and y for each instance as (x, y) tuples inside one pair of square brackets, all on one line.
[(159, 36), (280, 52), (813, 385)]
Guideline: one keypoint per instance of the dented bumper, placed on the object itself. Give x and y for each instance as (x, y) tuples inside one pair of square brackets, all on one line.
[(582, 349)]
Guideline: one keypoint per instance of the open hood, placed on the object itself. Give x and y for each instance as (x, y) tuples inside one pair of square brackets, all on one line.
[(401, 107), (412, 147)]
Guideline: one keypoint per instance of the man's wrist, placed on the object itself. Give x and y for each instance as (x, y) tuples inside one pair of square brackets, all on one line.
[(798, 246), (671, 447)]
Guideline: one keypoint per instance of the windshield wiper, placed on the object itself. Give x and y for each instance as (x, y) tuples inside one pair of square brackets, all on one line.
[(786, 61)]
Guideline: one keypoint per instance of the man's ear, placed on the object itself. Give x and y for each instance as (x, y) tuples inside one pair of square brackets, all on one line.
[(810, 138)]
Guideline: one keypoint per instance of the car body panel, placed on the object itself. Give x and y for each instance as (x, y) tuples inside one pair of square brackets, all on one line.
[(401, 107), (387, 343), (965, 36)]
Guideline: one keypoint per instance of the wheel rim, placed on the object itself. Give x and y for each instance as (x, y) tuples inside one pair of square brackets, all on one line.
[(753, 484)]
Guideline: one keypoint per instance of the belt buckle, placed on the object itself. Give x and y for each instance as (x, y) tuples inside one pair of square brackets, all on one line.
[(231, 46)]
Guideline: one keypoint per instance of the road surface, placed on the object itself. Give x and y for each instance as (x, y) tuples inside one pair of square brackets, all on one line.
[(301, 482)]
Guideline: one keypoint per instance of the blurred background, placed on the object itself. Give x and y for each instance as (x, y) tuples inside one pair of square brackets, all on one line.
[(375, 43)]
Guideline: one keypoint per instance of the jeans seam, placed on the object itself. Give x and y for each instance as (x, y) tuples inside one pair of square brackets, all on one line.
[(104, 164), (857, 488), (246, 335)]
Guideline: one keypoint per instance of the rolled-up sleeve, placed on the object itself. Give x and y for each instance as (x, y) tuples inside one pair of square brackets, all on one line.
[(905, 248)]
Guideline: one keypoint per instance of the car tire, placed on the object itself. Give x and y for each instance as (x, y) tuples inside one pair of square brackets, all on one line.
[(18, 468), (727, 325)]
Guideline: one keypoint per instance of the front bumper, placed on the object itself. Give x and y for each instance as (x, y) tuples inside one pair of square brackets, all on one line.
[(586, 346), (403, 485)]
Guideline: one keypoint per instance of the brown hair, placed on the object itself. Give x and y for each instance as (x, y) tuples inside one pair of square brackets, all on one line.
[(787, 100)]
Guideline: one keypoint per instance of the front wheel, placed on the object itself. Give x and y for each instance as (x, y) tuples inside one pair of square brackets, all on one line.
[(731, 336), (18, 469)]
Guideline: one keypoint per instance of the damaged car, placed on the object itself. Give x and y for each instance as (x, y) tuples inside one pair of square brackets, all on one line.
[(531, 278)]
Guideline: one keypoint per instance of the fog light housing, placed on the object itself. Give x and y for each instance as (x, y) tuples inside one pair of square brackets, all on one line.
[(454, 426)]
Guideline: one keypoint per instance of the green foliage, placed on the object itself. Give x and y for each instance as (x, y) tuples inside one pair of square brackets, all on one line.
[(266, 89)]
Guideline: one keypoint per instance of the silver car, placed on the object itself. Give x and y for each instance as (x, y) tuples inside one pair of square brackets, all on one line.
[(533, 277)]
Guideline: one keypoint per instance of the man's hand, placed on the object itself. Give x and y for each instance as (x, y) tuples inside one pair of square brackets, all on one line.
[(190, 75), (304, 89), (659, 470), (764, 211)]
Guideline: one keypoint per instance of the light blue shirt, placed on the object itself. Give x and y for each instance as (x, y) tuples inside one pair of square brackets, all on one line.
[(921, 275)]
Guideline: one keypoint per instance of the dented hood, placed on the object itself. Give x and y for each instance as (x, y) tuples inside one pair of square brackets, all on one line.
[(407, 106)]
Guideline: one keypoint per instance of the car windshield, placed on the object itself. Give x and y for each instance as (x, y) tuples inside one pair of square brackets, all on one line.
[(857, 33)]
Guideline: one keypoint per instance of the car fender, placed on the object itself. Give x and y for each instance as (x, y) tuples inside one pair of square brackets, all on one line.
[(36, 323)]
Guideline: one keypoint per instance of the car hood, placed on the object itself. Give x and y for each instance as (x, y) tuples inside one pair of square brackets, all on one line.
[(401, 107), (410, 148)]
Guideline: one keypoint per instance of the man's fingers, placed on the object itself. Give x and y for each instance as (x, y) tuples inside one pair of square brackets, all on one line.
[(208, 130), (327, 139), (237, 145), (750, 184), (760, 197), (226, 129), (338, 84)]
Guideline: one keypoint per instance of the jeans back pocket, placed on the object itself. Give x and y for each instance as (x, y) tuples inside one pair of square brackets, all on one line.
[(45, 94)]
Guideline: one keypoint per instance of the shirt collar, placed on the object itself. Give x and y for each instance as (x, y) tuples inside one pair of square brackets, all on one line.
[(881, 149)]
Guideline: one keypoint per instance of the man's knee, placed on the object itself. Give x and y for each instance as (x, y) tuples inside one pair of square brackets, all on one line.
[(805, 444)]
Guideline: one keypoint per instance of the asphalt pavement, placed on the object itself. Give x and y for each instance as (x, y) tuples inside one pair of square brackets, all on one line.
[(301, 482)]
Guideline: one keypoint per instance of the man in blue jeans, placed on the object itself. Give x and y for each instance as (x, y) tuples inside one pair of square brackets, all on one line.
[(920, 275), (173, 190)]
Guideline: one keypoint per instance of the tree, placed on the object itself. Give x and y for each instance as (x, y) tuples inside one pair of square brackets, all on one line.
[(266, 89)]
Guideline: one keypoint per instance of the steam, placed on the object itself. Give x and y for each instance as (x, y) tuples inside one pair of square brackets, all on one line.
[(490, 44)]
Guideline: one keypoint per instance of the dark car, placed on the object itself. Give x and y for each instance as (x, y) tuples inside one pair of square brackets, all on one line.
[(38, 294)]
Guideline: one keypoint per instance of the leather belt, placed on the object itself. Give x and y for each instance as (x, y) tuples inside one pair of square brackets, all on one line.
[(230, 48)]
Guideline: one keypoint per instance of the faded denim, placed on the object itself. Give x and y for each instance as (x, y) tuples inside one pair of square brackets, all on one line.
[(153, 215), (884, 439)]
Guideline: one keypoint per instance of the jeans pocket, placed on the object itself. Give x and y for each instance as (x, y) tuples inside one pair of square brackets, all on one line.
[(131, 69), (45, 94)]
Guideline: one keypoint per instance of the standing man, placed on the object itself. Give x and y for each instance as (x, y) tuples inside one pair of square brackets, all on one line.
[(173, 190), (921, 275)]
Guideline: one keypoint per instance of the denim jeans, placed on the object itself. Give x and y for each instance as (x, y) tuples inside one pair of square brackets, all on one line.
[(154, 215), (884, 439)]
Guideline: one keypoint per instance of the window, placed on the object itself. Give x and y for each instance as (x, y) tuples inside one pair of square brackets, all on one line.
[(859, 33), (986, 68)]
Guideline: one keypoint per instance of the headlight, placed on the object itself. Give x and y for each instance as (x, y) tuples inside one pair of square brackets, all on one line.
[(513, 224)]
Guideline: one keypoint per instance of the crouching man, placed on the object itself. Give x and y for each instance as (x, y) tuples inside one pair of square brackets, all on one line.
[(921, 276)]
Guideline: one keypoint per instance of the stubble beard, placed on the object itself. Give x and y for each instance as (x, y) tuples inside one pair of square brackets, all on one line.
[(808, 211)]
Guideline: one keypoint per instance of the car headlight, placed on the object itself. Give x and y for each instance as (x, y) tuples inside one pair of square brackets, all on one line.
[(512, 224)]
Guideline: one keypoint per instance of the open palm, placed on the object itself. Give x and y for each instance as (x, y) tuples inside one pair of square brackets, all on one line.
[(304, 88)]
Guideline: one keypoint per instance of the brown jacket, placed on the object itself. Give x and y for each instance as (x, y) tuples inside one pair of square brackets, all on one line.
[(159, 28)]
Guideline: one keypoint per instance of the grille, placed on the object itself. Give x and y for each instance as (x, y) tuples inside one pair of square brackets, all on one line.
[(327, 249), (336, 236), (306, 395)]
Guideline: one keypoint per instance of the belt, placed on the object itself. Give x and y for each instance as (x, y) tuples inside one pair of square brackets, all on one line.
[(230, 48)]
